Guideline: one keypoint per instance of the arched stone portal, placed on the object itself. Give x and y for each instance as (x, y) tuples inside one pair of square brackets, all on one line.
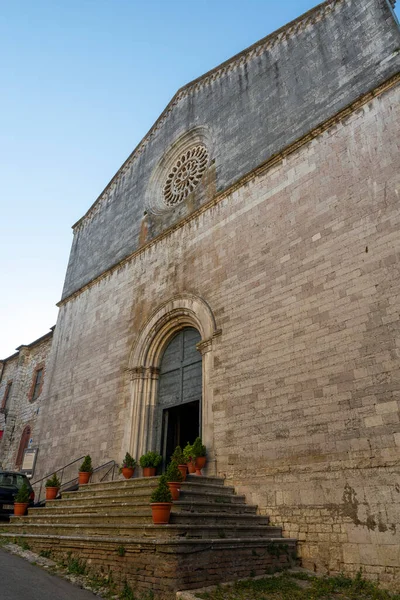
[(184, 311)]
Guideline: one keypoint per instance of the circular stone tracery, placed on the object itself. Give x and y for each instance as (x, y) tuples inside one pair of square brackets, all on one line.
[(185, 175)]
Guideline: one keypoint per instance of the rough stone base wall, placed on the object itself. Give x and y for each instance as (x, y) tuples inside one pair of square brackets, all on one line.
[(344, 519), (164, 569)]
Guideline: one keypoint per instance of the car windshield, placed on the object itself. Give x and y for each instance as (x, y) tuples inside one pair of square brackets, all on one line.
[(11, 480)]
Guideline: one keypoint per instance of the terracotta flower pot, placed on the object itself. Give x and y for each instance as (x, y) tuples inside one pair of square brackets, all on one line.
[(20, 508), (84, 477), (149, 471), (183, 469), (128, 472), (174, 488), (200, 464), (191, 467), (161, 512), (51, 493)]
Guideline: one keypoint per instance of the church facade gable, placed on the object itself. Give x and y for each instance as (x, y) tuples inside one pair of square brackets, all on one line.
[(245, 111)]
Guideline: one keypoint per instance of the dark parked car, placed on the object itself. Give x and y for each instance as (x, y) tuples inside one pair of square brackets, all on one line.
[(10, 483)]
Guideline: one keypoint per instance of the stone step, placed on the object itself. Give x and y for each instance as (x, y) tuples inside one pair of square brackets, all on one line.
[(150, 481), (119, 519), (188, 494), (60, 507), (179, 543), (137, 531), (127, 488)]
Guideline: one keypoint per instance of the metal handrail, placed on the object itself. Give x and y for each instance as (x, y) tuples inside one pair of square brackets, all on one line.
[(62, 469), (74, 481)]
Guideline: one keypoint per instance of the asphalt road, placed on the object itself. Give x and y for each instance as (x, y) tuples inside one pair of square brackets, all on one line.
[(19, 580)]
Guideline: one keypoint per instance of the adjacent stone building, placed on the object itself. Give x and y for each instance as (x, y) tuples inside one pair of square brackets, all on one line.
[(21, 382), (239, 278)]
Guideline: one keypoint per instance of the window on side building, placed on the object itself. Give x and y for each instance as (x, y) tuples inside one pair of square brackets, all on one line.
[(37, 383), (6, 395)]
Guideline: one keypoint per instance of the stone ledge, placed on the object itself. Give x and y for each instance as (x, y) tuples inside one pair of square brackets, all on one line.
[(194, 595)]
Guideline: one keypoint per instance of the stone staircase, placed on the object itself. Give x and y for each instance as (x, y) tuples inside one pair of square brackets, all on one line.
[(213, 535)]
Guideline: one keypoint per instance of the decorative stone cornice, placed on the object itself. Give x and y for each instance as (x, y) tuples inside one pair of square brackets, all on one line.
[(263, 167), (289, 30), (144, 373)]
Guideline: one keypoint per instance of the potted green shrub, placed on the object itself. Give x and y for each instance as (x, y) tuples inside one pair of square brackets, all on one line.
[(179, 458), (53, 485), (174, 479), (161, 502), (85, 470), (21, 500), (189, 460), (149, 463), (199, 453), (128, 466)]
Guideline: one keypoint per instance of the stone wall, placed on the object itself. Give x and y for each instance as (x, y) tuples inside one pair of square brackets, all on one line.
[(21, 410), (163, 569), (248, 109), (299, 266)]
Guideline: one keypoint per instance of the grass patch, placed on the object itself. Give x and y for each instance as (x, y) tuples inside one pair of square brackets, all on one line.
[(45, 553), (76, 566), (300, 586), (23, 544), (4, 541), (128, 594)]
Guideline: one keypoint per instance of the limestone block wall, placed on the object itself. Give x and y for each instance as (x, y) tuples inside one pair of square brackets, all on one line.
[(250, 108), (299, 265), (20, 410)]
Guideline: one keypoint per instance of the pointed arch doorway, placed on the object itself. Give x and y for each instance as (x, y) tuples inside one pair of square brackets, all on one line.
[(179, 403), (144, 427)]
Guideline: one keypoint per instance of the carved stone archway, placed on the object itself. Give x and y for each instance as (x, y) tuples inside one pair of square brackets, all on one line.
[(186, 310)]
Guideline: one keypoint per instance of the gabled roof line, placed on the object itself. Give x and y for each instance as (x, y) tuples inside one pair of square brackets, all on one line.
[(292, 28)]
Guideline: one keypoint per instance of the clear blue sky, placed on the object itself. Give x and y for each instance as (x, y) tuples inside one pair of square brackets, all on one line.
[(82, 82)]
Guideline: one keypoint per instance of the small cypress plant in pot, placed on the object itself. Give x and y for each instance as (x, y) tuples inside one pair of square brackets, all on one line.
[(199, 452), (128, 466), (85, 470), (174, 479), (149, 463), (161, 502), (53, 485), (21, 500), (189, 459), (180, 461)]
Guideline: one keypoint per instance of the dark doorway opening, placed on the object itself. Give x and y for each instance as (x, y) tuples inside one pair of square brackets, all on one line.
[(181, 424)]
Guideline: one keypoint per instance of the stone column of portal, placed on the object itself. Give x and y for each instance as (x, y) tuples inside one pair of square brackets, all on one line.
[(144, 394), (207, 420), (150, 432)]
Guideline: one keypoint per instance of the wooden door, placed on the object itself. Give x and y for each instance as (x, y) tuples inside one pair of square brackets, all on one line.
[(180, 386)]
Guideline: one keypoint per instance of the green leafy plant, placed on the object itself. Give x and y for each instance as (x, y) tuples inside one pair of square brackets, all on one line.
[(121, 550), (188, 453), (24, 544), (86, 466), (178, 456), (127, 592), (76, 566), (173, 474), (128, 463), (161, 493), (150, 459), (53, 482), (23, 494), (198, 449)]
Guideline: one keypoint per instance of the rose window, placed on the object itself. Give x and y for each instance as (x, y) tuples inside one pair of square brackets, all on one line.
[(185, 175)]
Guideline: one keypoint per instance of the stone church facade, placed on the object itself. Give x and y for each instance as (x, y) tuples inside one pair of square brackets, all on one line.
[(239, 278)]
